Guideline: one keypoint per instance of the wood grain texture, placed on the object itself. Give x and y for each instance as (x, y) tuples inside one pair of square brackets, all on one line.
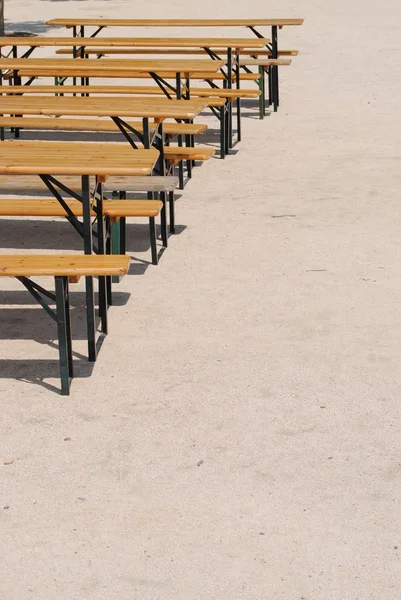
[(79, 265), (162, 107), (74, 158), (34, 207), (138, 42), (175, 22), (156, 65)]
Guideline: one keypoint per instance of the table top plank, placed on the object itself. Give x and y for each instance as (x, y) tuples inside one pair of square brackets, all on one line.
[(115, 64), (101, 22), (102, 106), (74, 158), (129, 42)]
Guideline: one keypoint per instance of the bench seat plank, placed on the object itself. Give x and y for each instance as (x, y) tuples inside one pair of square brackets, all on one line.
[(178, 51), (140, 42), (124, 90), (94, 125), (77, 72), (59, 265), (102, 22), (265, 62), (34, 207), (154, 183), (156, 108), (155, 65)]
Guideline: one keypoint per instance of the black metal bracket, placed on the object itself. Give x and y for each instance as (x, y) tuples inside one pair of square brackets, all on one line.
[(36, 290), (124, 128), (163, 85)]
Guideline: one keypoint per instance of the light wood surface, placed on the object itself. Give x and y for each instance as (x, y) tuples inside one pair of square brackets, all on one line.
[(63, 124), (109, 150), (157, 108), (140, 42), (34, 207), (113, 64), (73, 158), (59, 265), (175, 22), (178, 51), (265, 62), (156, 183), (124, 90), (77, 72)]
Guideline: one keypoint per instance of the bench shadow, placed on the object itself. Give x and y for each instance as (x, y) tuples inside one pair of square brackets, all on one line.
[(58, 235), (34, 324), (28, 371), (36, 27)]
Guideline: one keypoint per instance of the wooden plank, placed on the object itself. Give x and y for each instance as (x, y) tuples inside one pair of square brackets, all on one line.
[(34, 207), (265, 62), (77, 72), (34, 148), (137, 42), (21, 183), (73, 158), (175, 22), (161, 108), (62, 124), (179, 51), (122, 90), (58, 265), (114, 64)]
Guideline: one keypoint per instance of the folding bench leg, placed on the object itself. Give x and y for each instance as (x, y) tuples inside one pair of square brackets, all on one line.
[(238, 102), (101, 236), (270, 86), (180, 166), (90, 319), (118, 235), (171, 201), (230, 124), (189, 162), (261, 85), (108, 251), (103, 304), (223, 141), (153, 244), (277, 89), (64, 333), (163, 220)]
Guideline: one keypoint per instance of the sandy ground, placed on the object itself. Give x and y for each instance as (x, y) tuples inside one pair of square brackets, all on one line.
[(238, 438)]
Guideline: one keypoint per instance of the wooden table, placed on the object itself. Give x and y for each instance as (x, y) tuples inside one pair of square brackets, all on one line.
[(49, 160), (116, 108), (155, 67), (78, 28), (208, 44)]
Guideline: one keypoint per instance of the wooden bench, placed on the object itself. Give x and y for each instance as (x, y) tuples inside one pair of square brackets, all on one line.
[(169, 129), (265, 62), (183, 51), (115, 212), (265, 66), (80, 72), (173, 155), (63, 267), (164, 186)]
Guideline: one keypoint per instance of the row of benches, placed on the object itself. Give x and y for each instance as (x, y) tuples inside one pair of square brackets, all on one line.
[(110, 215)]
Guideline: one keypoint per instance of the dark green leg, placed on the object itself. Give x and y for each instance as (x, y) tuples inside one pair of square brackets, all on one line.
[(261, 85), (163, 220), (64, 335), (153, 244), (171, 202)]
